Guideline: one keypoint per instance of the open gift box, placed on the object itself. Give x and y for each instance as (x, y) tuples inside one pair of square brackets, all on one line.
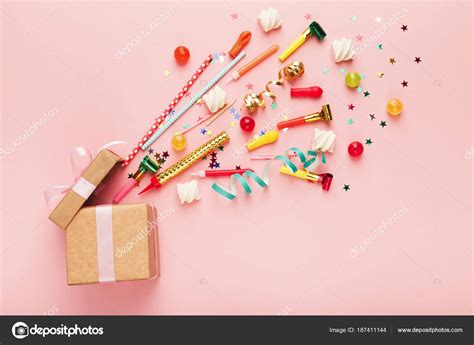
[(106, 242)]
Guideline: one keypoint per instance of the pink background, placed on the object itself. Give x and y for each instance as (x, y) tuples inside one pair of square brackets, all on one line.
[(284, 250)]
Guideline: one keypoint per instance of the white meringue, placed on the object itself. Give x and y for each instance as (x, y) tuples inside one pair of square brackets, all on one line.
[(269, 19), (323, 140), (188, 192), (215, 99), (342, 50)]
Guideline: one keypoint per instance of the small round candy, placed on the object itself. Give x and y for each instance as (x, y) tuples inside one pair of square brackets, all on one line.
[(178, 142), (181, 54), (352, 79), (394, 107), (355, 149), (247, 124)]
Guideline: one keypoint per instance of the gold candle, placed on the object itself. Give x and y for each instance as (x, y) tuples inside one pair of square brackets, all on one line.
[(187, 161)]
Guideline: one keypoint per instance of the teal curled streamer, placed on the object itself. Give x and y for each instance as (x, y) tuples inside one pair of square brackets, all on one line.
[(309, 161)]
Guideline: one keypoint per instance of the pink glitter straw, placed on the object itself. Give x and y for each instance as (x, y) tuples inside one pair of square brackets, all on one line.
[(166, 112)]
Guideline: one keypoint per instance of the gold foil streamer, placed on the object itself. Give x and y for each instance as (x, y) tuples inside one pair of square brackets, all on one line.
[(194, 156), (254, 101)]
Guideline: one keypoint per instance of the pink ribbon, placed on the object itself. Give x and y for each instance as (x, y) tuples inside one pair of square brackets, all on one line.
[(80, 160)]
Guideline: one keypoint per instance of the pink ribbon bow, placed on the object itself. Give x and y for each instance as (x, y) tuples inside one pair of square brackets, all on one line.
[(81, 157)]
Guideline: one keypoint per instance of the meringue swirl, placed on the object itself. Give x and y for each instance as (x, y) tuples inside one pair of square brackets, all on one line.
[(269, 19), (342, 50), (188, 192), (323, 141), (215, 99)]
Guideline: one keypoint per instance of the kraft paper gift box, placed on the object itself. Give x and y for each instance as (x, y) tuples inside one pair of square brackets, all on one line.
[(75, 198), (112, 243)]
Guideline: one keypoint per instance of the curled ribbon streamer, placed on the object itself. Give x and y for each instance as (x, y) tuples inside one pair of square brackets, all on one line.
[(310, 162), (80, 160), (290, 72)]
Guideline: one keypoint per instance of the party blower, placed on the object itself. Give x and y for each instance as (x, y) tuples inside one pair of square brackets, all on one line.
[(324, 115), (187, 161), (324, 179), (146, 165), (314, 29)]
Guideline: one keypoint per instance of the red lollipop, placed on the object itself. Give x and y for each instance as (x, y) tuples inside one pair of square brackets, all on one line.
[(355, 149), (181, 54), (247, 124)]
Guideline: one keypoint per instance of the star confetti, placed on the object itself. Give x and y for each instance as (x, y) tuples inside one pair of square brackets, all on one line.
[(350, 106), (368, 141), (237, 167), (217, 165), (417, 59), (404, 83), (342, 70), (165, 154), (274, 105), (236, 116), (232, 124), (130, 175), (359, 89), (383, 124), (404, 28), (325, 70), (233, 110), (379, 46), (372, 117), (221, 148), (362, 76), (392, 60), (359, 38), (157, 156), (354, 18), (380, 74), (249, 86), (166, 73), (209, 132), (203, 131), (307, 16), (366, 93), (346, 187), (350, 121), (150, 151), (234, 16), (221, 59), (378, 20)]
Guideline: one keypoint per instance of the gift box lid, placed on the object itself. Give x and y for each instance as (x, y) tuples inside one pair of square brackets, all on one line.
[(91, 178)]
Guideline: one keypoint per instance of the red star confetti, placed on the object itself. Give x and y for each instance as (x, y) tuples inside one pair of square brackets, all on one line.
[(249, 86), (404, 28), (350, 106), (404, 83), (359, 38), (417, 59), (234, 16), (307, 16)]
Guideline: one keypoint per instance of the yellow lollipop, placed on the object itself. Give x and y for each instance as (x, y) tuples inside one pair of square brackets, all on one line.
[(178, 142), (394, 107)]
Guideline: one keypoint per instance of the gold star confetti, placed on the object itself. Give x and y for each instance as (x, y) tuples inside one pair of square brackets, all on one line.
[(209, 132), (380, 74), (166, 73), (392, 60), (284, 117), (199, 101), (232, 124), (221, 58)]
